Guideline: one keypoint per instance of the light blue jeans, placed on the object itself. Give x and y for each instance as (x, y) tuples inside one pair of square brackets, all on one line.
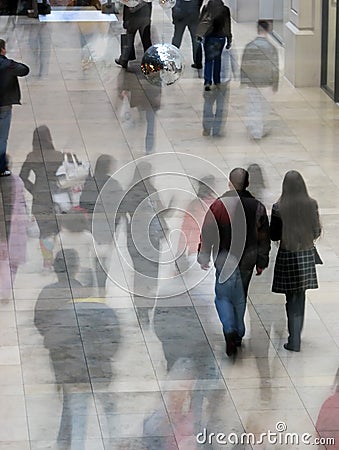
[(230, 302), (5, 123)]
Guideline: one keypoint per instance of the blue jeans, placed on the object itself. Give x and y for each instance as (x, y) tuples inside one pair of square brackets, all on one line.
[(5, 123), (230, 302), (213, 47)]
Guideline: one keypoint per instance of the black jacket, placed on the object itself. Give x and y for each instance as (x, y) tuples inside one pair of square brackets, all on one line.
[(188, 10), (223, 223), (220, 19), (9, 85), (137, 17)]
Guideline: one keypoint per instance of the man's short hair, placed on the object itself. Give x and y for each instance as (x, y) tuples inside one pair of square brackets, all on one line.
[(2, 44), (239, 178), (263, 25)]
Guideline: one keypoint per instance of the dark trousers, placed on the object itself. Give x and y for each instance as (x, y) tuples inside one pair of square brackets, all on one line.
[(295, 310), (5, 123), (145, 36), (179, 29)]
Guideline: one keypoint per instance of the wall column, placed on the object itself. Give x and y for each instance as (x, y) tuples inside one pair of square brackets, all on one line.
[(303, 43)]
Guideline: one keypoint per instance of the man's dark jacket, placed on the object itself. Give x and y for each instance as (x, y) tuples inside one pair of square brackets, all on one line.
[(217, 233), (9, 86)]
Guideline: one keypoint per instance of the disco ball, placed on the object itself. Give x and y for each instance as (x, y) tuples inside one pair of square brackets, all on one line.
[(162, 64), (167, 4), (130, 3)]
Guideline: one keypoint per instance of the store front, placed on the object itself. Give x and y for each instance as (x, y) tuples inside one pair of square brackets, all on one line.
[(330, 48)]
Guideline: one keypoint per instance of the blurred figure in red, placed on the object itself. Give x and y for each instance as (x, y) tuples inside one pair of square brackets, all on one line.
[(328, 419)]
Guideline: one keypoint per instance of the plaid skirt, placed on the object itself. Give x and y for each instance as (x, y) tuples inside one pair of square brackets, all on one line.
[(294, 271)]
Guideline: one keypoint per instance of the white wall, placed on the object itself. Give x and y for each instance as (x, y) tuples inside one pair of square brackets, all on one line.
[(303, 43)]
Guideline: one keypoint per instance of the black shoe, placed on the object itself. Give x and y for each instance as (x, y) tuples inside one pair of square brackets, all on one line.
[(5, 173), (291, 349), (231, 348), (207, 87), (123, 64), (238, 340), (196, 66)]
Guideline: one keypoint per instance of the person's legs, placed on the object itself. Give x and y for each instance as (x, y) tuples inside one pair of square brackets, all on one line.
[(218, 47), (208, 115), (145, 36), (5, 123), (198, 56), (226, 311), (149, 138), (222, 96), (127, 49), (239, 303), (197, 60), (179, 28), (255, 122), (208, 48), (295, 310)]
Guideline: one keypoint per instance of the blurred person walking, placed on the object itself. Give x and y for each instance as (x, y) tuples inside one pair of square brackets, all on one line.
[(216, 102), (38, 173), (259, 69), (214, 29), (295, 223), (10, 95), (82, 335)]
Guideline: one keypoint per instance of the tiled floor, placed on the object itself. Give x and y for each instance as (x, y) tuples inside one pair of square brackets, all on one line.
[(123, 371)]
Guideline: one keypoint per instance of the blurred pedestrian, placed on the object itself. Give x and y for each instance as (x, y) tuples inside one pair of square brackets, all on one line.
[(10, 95), (214, 28), (259, 69)]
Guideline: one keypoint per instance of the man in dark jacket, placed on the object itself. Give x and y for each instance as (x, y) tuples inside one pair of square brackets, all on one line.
[(236, 230), (185, 13), (9, 95)]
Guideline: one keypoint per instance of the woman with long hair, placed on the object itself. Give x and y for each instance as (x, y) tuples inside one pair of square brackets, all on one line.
[(295, 223)]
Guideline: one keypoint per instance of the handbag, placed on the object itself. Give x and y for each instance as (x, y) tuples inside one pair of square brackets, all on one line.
[(62, 202), (317, 258), (126, 113), (205, 24), (32, 228), (72, 173)]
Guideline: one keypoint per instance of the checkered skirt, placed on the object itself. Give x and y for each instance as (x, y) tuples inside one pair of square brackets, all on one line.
[(294, 271)]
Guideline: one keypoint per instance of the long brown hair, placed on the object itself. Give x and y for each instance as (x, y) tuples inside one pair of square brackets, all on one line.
[(298, 212)]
